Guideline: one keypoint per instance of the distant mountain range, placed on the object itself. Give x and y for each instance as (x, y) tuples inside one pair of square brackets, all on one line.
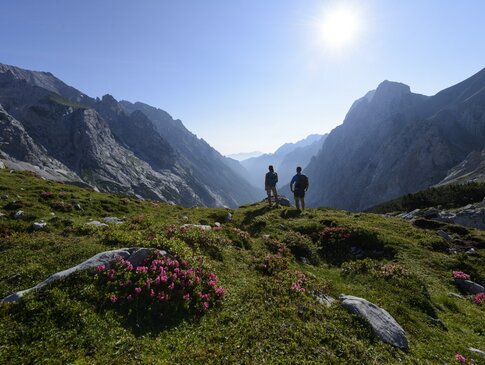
[(63, 134), (244, 155), (285, 160), (393, 142)]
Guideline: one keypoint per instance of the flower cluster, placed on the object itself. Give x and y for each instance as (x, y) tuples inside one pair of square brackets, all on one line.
[(171, 231), (46, 195), (460, 358), (335, 234), (61, 206), (298, 286), (460, 275), (392, 270), (239, 237), (162, 283), (479, 298)]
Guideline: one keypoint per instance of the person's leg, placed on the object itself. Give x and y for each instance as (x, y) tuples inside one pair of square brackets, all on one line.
[(297, 202), (268, 191), (302, 204), (275, 192)]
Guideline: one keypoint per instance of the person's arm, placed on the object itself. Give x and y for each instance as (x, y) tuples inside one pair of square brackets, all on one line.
[(293, 180), (276, 177), (307, 184)]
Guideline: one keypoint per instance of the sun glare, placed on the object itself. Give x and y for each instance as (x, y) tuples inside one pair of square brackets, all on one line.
[(340, 26)]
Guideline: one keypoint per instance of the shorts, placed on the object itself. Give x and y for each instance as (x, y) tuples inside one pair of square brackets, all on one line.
[(300, 194), (270, 189)]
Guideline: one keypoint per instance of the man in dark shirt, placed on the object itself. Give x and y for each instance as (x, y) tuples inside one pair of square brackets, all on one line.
[(270, 181), (299, 185)]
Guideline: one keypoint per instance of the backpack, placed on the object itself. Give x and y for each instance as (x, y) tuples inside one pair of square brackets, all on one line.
[(301, 182)]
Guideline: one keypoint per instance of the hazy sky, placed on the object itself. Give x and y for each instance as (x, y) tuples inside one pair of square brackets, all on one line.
[(246, 74)]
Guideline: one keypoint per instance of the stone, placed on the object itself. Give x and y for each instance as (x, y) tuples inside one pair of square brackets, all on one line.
[(266, 236), (135, 255), (185, 218), (96, 224), (454, 295), (444, 235), (284, 201), (472, 252), (77, 206), (469, 286), (4, 196), (217, 224), (430, 213), (324, 299), (113, 220), (409, 215), (469, 207), (477, 351), (383, 324), (204, 227), (304, 260), (438, 322), (19, 214), (2, 214), (281, 226), (2, 165), (39, 225), (228, 217)]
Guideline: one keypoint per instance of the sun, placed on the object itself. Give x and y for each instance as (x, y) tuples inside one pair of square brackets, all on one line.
[(340, 26)]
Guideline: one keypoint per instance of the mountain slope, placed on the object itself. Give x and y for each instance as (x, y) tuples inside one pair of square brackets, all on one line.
[(285, 160), (102, 144), (394, 142)]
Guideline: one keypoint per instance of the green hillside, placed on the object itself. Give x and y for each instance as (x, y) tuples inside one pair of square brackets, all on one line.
[(266, 316), (447, 196)]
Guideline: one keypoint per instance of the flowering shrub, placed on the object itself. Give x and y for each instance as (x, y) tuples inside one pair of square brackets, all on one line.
[(335, 234), (298, 286), (239, 237), (392, 270), (460, 358), (162, 284), (460, 275), (61, 206), (208, 241), (300, 245), (275, 263), (46, 195), (479, 298), (359, 267)]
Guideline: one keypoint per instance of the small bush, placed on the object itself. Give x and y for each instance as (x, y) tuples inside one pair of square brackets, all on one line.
[(61, 206), (163, 285), (239, 237), (300, 245)]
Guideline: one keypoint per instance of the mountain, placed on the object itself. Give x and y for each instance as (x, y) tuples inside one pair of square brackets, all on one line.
[(472, 168), (101, 143), (244, 155), (285, 160), (393, 142)]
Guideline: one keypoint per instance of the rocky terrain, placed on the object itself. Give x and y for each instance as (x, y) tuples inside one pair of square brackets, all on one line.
[(111, 146), (393, 142)]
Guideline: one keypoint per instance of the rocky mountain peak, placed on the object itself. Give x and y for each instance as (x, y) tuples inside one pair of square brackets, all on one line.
[(390, 90)]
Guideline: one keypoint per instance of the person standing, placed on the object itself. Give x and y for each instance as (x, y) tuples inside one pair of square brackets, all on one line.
[(270, 181), (299, 186)]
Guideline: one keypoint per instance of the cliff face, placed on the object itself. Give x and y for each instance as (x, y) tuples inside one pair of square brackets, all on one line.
[(100, 143), (394, 142)]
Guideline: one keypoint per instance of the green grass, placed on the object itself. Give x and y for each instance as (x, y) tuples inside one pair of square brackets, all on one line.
[(261, 320)]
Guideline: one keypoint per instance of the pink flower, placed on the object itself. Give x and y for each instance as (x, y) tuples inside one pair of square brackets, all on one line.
[(161, 297), (129, 297), (141, 269), (460, 275), (171, 286), (186, 296), (220, 291), (479, 298), (100, 268), (152, 293), (111, 274), (205, 305), (137, 290), (113, 298), (460, 358)]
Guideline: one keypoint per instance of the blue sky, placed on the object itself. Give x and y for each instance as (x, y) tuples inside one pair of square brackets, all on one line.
[(244, 75)]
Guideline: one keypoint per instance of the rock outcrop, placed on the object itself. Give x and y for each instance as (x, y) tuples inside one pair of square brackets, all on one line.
[(135, 255), (383, 324)]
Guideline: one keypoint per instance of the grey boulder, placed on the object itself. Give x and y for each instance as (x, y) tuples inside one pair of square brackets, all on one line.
[(383, 324), (469, 286), (96, 224), (112, 220), (135, 255), (39, 225)]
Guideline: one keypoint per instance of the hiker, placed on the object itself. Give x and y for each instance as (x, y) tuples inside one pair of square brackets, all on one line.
[(270, 181), (298, 186)]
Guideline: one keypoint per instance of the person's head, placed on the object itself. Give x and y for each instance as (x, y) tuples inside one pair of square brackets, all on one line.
[(298, 169), (270, 167)]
